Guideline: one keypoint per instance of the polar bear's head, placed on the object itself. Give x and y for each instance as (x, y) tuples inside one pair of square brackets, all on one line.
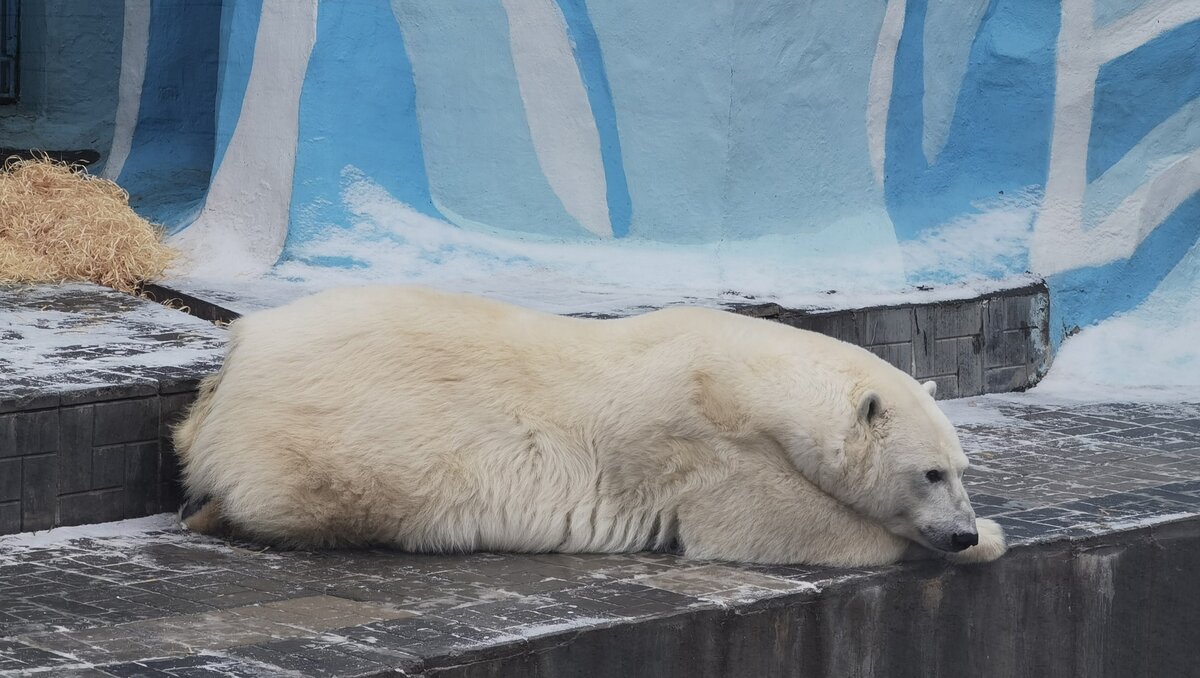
[(895, 457), (907, 453)]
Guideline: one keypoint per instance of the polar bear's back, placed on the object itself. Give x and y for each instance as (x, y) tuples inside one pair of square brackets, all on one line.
[(429, 420)]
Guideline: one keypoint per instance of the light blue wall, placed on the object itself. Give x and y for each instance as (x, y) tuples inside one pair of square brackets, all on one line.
[(70, 59), (930, 135), (171, 155), (341, 99)]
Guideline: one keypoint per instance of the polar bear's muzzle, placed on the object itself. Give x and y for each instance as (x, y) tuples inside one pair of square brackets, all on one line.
[(960, 541), (952, 541)]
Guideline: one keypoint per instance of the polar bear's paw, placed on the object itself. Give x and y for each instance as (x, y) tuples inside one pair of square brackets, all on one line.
[(990, 547)]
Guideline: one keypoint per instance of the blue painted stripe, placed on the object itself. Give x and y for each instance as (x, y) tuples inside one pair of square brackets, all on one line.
[(1139, 90), (1085, 296), (239, 33), (590, 60), (483, 169), (171, 155), (1178, 136), (356, 111), (999, 139)]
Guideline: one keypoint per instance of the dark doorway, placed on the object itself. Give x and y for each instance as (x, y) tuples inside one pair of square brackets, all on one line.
[(8, 51)]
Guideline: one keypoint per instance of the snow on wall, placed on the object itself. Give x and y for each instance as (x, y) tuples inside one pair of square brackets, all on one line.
[(770, 148)]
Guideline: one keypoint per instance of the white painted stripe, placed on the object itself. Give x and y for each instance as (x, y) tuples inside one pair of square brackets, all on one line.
[(1119, 235), (1060, 241), (135, 42), (560, 119), (1058, 230), (879, 88), (243, 226), (1147, 23), (1169, 141), (1139, 214)]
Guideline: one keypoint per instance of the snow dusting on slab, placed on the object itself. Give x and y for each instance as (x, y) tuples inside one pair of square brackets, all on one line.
[(122, 529), (65, 337), (538, 291), (974, 412)]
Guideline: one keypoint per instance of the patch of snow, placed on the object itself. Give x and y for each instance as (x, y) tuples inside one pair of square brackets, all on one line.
[(102, 331), (974, 412), (1130, 357), (134, 527), (749, 593), (236, 667), (991, 244), (547, 629), (1149, 354), (56, 669), (1134, 523), (390, 242)]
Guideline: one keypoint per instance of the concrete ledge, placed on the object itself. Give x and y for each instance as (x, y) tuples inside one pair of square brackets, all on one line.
[(90, 381), (993, 343), (1122, 605), (1101, 503), (996, 343)]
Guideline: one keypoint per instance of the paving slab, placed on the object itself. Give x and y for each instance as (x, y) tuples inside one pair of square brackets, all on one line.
[(995, 341), (91, 381), (79, 342), (237, 296), (142, 598)]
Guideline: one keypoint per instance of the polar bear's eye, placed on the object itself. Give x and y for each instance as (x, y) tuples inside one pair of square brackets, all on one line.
[(933, 476)]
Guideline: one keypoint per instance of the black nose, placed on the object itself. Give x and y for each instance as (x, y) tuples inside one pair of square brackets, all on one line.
[(962, 540)]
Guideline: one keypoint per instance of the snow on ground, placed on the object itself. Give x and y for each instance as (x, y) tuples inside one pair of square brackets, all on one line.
[(990, 244), (133, 528), (976, 411), (79, 335), (390, 242), (1149, 354)]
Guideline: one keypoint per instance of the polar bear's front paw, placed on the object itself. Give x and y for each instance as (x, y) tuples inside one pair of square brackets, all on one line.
[(990, 547)]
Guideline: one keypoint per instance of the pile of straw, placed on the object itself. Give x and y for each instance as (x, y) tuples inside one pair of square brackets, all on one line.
[(58, 224)]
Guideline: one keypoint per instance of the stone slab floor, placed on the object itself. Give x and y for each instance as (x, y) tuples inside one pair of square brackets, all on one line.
[(143, 599)]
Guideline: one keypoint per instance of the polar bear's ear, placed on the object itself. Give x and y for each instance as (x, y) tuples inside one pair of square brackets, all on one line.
[(869, 407), (930, 388)]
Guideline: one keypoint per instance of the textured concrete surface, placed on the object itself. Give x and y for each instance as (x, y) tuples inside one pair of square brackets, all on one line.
[(90, 380), (992, 343), (1101, 501), (71, 342)]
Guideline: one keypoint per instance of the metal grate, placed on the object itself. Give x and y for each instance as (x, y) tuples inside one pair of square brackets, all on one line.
[(8, 51)]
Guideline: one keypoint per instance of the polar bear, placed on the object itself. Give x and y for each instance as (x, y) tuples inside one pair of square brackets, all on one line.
[(429, 421)]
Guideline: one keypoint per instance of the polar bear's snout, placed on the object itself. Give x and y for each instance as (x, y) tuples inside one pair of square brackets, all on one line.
[(960, 541), (952, 537)]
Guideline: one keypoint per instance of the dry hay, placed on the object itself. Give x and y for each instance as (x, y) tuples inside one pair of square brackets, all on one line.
[(59, 224)]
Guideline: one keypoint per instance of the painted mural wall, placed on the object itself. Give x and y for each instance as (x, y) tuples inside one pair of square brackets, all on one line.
[(773, 148), (70, 60)]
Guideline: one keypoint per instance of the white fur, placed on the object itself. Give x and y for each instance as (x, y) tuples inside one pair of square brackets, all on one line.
[(433, 421)]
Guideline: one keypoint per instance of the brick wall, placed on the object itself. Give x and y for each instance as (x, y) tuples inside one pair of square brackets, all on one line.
[(92, 456), (993, 344)]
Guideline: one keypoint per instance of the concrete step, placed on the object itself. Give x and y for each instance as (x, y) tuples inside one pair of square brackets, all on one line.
[(1101, 502), (995, 342), (92, 379)]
